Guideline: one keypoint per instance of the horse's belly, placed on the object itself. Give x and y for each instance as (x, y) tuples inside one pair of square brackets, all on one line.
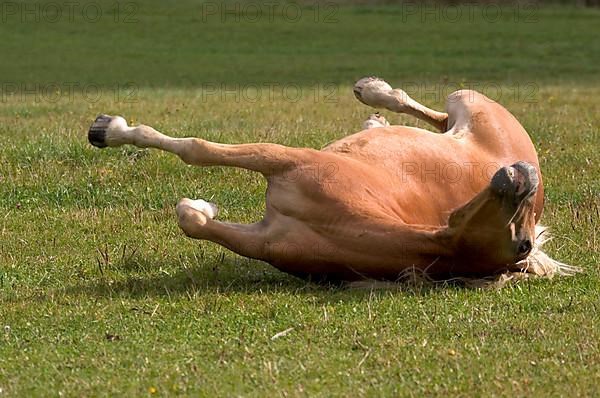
[(429, 174)]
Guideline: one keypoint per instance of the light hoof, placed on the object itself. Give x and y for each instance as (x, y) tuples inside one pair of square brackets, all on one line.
[(105, 130), (375, 120), (192, 214), (365, 88), (209, 209)]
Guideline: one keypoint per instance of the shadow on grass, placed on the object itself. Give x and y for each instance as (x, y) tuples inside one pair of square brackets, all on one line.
[(138, 279)]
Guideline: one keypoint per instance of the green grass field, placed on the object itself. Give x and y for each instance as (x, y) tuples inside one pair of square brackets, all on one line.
[(102, 295)]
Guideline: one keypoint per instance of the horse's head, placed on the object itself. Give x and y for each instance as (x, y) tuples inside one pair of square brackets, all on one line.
[(496, 229)]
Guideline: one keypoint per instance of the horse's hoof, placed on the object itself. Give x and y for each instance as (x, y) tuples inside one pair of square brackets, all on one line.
[(518, 181), (208, 209), (97, 131), (366, 85), (193, 215), (375, 120)]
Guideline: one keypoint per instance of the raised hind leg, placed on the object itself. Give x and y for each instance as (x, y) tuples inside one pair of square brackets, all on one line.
[(196, 217), (113, 131), (377, 93)]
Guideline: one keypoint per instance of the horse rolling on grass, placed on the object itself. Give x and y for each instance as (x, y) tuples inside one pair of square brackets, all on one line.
[(385, 202)]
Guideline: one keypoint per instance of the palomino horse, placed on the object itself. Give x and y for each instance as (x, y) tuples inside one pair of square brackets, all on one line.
[(463, 203)]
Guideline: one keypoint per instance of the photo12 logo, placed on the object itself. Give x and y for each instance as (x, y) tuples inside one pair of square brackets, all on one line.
[(288, 92), (522, 92), (469, 12), (268, 11), (448, 172), (68, 11), (67, 91)]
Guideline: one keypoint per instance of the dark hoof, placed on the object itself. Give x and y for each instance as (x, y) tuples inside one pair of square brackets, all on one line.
[(357, 93), (518, 181), (97, 132)]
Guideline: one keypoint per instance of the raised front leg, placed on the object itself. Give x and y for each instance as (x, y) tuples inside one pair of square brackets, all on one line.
[(377, 93)]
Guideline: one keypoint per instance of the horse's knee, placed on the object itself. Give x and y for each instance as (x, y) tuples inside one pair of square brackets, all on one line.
[(190, 151)]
